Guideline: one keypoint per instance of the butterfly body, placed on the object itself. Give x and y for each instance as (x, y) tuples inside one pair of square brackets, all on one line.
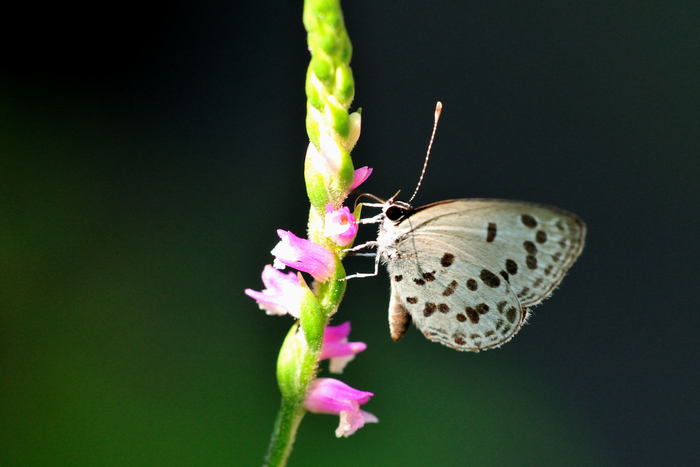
[(465, 271)]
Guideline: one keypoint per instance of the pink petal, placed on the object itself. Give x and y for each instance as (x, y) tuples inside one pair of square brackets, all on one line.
[(353, 420), (304, 255), (329, 395), (336, 365), (283, 293), (337, 348), (336, 333), (265, 302), (341, 349), (361, 175)]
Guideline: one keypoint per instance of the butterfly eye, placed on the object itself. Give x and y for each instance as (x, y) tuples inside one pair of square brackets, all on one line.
[(394, 213)]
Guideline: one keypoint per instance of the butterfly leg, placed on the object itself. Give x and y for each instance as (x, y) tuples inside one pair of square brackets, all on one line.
[(354, 251), (371, 244), (376, 260), (372, 220), (366, 274)]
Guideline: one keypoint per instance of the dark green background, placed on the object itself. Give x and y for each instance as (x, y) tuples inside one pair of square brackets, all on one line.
[(147, 155)]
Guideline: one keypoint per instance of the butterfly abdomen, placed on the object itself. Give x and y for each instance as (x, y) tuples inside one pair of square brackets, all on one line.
[(399, 320)]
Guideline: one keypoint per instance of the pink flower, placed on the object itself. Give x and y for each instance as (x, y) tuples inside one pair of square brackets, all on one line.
[(337, 348), (331, 396), (283, 293), (304, 255), (340, 226), (361, 175)]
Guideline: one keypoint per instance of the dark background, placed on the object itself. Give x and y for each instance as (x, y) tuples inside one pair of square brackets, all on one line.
[(149, 153)]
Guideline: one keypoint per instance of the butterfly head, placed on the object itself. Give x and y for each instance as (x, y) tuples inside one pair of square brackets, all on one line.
[(396, 211)]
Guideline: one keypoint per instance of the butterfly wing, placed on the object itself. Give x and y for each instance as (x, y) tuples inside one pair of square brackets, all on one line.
[(466, 270), (448, 312)]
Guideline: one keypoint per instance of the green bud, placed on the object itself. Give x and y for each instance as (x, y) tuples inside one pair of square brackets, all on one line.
[(299, 343), (289, 363), (313, 321), (345, 49), (322, 68), (340, 121), (313, 95), (312, 129), (329, 44), (344, 84)]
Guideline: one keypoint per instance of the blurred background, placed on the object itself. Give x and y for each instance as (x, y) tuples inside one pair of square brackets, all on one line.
[(148, 153)]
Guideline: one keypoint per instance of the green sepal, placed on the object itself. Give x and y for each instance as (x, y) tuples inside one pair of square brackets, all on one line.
[(289, 363), (346, 173), (316, 188), (358, 211), (330, 293), (358, 215)]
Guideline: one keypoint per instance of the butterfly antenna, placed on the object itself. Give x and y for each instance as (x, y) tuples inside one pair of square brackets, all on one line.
[(438, 110), (367, 195)]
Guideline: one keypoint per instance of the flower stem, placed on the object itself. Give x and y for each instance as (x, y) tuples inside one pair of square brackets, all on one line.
[(284, 433)]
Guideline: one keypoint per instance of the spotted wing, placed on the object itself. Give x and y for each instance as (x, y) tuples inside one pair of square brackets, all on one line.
[(447, 311), (466, 270)]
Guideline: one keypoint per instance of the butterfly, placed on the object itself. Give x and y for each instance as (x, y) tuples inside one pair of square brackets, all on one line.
[(466, 271)]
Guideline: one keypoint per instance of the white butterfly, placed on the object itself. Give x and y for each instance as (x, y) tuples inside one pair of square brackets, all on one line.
[(465, 271)]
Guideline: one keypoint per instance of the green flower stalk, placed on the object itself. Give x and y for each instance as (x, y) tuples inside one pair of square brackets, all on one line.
[(330, 89), (330, 176)]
